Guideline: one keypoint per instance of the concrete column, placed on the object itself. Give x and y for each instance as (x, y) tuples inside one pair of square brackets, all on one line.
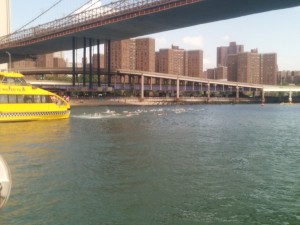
[(262, 96), (91, 63), (193, 86), (151, 83), (108, 63), (160, 84), (177, 89), (84, 61), (290, 97), (208, 91), (73, 60), (142, 87), (98, 63), (237, 92), (124, 78)]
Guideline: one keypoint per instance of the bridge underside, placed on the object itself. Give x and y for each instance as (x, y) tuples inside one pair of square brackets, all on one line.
[(199, 12)]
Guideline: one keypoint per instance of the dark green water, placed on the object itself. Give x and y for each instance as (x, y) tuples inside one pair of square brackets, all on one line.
[(222, 164)]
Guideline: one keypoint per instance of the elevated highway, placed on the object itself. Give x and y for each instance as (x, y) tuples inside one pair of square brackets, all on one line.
[(128, 19)]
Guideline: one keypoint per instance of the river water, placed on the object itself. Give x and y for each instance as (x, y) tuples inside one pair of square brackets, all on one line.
[(204, 164)]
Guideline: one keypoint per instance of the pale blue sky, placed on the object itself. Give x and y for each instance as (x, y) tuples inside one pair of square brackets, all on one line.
[(275, 31)]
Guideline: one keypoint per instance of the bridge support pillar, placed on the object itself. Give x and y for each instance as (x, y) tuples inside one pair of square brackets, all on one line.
[(142, 87), (84, 62), (177, 89), (237, 94), (91, 64), (290, 97), (98, 63), (160, 84), (262, 96), (108, 64), (124, 79), (151, 83), (73, 61), (208, 92)]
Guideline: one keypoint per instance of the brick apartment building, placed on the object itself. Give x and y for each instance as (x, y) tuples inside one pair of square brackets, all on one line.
[(219, 73), (180, 62), (224, 51), (133, 54), (252, 67)]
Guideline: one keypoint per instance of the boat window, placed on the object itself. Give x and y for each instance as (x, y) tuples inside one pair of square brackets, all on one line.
[(37, 99), (20, 98), (48, 99), (13, 80), (19, 80), (12, 98), (3, 99), (9, 80), (28, 99)]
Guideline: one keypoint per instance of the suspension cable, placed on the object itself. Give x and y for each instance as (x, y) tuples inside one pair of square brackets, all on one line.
[(83, 6), (47, 10)]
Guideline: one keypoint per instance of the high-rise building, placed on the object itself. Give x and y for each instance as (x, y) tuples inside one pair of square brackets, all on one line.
[(223, 52), (232, 68), (180, 62), (248, 67), (4, 25), (4, 17), (95, 63), (145, 54), (26, 63), (252, 67), (195, 63), (165, 61), (121, 54), (219, 73), (45, 61), (171, 61), (269, 68), (133, 54)]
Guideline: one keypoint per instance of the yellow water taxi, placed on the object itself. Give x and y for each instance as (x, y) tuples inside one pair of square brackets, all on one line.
[(20, 101)]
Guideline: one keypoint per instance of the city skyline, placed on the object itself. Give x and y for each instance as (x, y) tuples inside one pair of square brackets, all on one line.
[(273, 32)]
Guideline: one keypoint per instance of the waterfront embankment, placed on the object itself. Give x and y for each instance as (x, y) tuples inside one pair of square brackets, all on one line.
[(156, 101)]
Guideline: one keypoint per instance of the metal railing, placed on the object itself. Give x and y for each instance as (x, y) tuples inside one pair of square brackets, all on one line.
[(110, 10)]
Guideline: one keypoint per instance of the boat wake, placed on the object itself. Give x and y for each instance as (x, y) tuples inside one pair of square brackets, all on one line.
[(109, 114)]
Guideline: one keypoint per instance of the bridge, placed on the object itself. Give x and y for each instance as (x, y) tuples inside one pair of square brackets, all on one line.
[(130, 18), (127, 19)]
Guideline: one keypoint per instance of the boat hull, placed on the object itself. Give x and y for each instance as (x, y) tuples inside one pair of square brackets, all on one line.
[(31, 116)]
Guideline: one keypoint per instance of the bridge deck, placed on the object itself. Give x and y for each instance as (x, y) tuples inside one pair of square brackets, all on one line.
[(151, 16)]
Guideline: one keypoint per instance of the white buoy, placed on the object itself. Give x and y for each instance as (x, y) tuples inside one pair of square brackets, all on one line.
[(5, 182)]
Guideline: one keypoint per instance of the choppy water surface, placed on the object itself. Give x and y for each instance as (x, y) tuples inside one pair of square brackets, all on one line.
[(224, 164)]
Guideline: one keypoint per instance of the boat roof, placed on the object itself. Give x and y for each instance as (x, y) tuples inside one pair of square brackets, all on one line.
[(11, 74)]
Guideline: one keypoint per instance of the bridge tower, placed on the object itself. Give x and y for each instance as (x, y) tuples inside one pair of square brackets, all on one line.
[(4, 24)]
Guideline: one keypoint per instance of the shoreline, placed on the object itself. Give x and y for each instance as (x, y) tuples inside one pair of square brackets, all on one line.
[(134, 101)]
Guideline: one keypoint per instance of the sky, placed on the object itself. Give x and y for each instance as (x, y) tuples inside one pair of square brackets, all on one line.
[(271, 32)]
